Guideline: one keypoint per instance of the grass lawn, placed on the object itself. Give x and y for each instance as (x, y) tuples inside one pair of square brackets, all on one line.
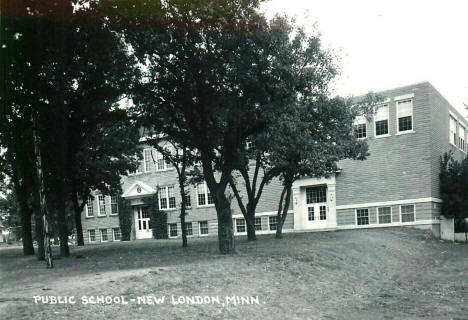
[(394, 273)]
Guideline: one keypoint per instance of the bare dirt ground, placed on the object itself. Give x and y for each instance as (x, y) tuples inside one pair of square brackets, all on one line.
[(394, 273)]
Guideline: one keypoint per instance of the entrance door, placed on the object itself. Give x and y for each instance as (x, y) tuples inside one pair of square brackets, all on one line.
[(142, 223), (316, 207)]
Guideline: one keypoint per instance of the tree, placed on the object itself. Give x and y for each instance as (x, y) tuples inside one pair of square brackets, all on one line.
[(310, 142), (72, 79), (216, 72), (181, 158), (454, 188)]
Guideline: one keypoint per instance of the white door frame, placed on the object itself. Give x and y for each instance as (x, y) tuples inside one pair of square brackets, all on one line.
[(142, 224)]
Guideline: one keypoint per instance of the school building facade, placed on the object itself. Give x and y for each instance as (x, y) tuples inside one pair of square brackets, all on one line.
[(397, 185)]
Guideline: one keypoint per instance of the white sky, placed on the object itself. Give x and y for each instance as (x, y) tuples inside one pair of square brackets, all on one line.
[(385, 44)]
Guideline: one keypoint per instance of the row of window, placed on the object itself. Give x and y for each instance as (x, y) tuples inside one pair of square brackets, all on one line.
[(202, 228), (167, 199), (105, 236), (457, 137), (384, 215), (241, 225), (101, 207), (153, 161), (404, 112)]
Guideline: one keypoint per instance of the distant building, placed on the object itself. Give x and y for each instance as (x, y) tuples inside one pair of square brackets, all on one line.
[(398, 185)]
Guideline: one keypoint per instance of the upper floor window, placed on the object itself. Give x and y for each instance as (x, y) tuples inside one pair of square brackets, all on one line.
[(405, 115), (114, 205), (461, 138), (249, 145), (148, 160), (316, 194), (360, 129), (204, 195), (381, 120), (89, 208), (453, 131), (167, 198), (161, 162), (101, 205)]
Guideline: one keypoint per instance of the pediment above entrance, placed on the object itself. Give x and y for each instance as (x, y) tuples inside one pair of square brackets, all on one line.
[(138, 190)]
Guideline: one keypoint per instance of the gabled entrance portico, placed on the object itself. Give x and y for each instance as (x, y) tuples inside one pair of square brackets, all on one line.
[(141, 215), (314, 203)]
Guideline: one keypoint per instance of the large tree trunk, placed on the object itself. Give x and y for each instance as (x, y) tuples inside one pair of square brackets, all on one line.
[(183, 206), (39, 235), (28, 248), (250, 221), (77, 209), (39, 224), (62, 229), (225, 230), (283, 210)]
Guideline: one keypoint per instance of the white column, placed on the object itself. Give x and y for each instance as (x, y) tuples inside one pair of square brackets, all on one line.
[(331, 197), (297, 208)]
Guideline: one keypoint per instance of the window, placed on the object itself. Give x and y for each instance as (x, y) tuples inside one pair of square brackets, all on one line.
[(453, 131), (203, 195), (461, 138), (385, 215), (381, 120), (167, 198), (240, 225), (92, 235), (101, 205), (311, 213), (272, 221), (148, 160), (405, 115), (89, 208), (362, 216), (316, 194), (203, 227), (360, 129), (407, 213), (104, 235), (323, 212), (117, 234), (249, 145), (188, 228), (144, 213), (114, 205), (258, 224), (188, 200), (173, 229), (161, 162)]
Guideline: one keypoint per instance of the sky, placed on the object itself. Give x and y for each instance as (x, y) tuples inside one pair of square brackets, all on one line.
[(386, 44)]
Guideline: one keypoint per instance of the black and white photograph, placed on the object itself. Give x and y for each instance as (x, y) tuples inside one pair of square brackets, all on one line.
[(233, 159)]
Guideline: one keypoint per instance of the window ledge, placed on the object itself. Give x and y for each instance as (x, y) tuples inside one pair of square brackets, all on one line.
[(102, 216), (206, 206), (135, 174), (90, 217), (405, 132), (383, 136), (170, 209), (113, 214)]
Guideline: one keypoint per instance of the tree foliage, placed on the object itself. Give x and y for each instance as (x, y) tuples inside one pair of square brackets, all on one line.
[(454, 188)]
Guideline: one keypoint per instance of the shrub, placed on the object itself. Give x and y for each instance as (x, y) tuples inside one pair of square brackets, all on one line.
[(125, 218)]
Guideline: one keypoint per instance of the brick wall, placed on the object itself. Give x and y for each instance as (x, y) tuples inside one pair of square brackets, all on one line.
[(398, 166), (440, 141)]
